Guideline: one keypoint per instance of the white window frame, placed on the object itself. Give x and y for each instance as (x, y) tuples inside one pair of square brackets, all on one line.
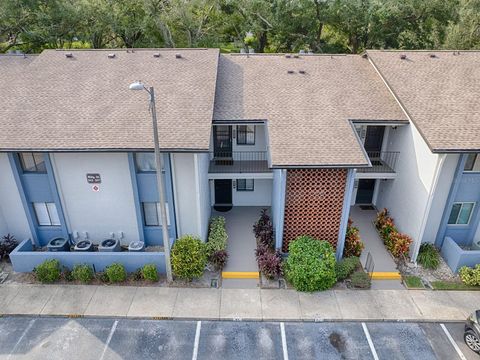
[(469, 217), (54, 219), (246, 188), (476, 164), (159, 222)]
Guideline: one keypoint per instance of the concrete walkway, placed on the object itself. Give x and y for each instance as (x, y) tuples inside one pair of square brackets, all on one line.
[(373, 244), (228, 304), (241, 240)]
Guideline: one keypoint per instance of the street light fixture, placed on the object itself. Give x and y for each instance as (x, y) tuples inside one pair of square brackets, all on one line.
[(138, 85)]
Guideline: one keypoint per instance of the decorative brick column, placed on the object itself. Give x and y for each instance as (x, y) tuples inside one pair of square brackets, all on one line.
[(313, 204)]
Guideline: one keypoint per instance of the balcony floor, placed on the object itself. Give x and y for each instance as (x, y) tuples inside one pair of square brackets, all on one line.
[(238, 166), (378, 166)]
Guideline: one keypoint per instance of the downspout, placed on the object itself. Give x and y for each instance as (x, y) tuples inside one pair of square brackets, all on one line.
[(433, 188)]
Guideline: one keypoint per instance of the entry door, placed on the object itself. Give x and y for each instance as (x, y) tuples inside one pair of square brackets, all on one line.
[(222, 141), (365, 190), (223, 191), (374, 139)]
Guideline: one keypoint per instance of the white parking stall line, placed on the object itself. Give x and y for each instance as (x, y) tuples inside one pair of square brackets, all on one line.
[(284, 341), (369, 340), (24, 333), (109, 338), (454, 344), (197, 340)]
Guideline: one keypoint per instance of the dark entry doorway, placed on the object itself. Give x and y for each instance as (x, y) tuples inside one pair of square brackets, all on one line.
[(223, 194), (374, 139), (365, 190)]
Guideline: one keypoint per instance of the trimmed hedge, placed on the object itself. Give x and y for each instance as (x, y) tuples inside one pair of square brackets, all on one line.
[(189, 257), (48, 272), (83, 273), (470, 276), (216, 246), (311, 264), (116, 273)]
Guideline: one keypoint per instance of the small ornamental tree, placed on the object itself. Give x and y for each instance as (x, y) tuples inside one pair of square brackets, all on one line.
[(311, 264), (188, 257)]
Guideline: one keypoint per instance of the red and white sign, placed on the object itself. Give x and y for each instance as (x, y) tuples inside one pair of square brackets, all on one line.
[(96, 188)]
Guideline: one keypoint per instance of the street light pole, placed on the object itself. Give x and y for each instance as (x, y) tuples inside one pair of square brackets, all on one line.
[(160, 180)]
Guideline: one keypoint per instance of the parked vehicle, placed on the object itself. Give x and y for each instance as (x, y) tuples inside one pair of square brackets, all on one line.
[(472, 332)]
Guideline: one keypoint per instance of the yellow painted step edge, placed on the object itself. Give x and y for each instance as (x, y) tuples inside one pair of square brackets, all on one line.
[(379, 275), (240, 275)]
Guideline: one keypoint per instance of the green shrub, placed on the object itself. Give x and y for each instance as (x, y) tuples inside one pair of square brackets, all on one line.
[(83, 273), (470, 276), (428, 256), (116, 273), (361, 280), (217, 236), (149, 272), (188, 257), (353, 243), (218, 259), (311, 264), (399, 244), (48, 272), (345, 267)]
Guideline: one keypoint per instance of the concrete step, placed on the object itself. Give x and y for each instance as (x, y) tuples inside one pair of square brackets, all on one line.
[(386, 275), (240, 275), (240, 284)]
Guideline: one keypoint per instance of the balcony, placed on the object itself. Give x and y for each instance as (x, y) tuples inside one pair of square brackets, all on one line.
[(238, 162), (382, 162)]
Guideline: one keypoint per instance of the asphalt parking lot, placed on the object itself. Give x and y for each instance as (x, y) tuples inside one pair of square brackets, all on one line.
[(100, 338)]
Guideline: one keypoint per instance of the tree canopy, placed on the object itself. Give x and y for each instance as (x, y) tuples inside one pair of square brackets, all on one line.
[(321, 26)]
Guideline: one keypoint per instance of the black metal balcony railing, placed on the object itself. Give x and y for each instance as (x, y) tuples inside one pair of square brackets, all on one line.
[(382, 162), (238, 162)]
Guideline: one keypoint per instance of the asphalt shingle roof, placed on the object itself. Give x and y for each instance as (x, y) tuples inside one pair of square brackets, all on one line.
[(441, 94), (307, 114), (83, 102)]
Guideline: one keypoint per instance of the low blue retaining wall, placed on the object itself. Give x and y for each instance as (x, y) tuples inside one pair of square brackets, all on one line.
[(456, 257), (24, 259)]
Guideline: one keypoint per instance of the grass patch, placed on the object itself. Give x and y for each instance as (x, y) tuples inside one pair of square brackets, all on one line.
[(451, 285), (413, 282)]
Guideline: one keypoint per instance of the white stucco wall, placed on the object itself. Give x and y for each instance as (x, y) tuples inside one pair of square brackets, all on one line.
[(203, 163), (406, 197), (260, 196), (192, 195), (440, 197), (112, 209), (14, 218), (3, 224)]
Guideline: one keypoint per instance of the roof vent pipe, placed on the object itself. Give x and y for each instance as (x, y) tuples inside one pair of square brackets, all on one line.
[(111, 56), (288, 56), (156, 55), (301, 72), (403, 56), (178, 55), (68, 55), (433, 56)]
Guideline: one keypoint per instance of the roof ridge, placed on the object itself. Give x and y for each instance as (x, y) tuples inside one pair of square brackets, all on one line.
[(133, 49)]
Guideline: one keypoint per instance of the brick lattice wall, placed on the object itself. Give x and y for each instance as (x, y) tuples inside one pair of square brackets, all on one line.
[(313, 204)]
